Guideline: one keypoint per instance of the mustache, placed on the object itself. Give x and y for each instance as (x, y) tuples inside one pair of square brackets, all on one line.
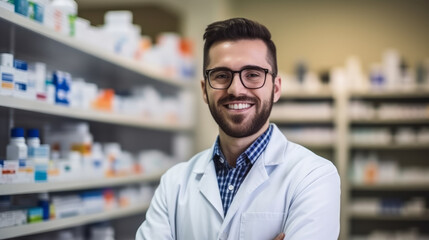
[(231, 98)]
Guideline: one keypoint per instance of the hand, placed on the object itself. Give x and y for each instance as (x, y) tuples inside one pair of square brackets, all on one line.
[(281, 236)]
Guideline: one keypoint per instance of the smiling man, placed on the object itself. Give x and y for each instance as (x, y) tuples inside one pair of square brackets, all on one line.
[(252, 183)]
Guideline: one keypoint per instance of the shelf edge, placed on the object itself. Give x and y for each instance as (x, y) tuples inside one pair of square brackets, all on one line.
[(57, 224)]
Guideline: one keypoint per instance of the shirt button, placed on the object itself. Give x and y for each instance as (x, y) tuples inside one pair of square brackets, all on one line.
[(221, 160), (231, 187)]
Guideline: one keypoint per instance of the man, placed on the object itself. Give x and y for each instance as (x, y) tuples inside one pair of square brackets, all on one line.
[(253, 183)]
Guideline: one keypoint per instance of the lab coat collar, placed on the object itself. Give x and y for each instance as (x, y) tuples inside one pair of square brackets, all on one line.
[(276, 147), (208, 185), (278, 143)]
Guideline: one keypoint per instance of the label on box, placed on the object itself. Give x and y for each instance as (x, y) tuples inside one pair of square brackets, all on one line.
[(7, 77), (6, 86)]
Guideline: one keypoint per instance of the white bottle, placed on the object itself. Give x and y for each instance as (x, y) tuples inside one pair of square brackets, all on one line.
[(33, 142), (65, 13), (17, 149), (33, 139), (6, 74)]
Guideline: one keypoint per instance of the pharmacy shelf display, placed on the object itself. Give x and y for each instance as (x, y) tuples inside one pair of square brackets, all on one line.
[(90, 115), (387, 217), (395, 146), (52, 225), (400, 187), (70, 47), (307, 118), (59, 186), (388, 148), (31, 41)]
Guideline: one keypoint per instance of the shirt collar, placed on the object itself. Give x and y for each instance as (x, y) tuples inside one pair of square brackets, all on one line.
[(252, 153)]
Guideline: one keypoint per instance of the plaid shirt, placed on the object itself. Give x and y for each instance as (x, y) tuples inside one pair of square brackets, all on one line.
[(229, 178)]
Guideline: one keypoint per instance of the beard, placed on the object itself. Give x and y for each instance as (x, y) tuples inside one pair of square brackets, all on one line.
[(239, 128)]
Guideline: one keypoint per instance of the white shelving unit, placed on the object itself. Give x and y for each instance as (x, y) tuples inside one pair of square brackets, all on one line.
[(90, 115), (30, 41), (417, 94), (77, 46), (304, 95), (389, 121), (40, 227), (26, 188), (391, 217), (393, 146), (391, 187), (405, 155), (342, 150), (288, 119), (292, 120)]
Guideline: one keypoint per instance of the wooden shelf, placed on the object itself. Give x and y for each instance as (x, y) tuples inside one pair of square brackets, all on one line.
[(41, 227), (91, 115)]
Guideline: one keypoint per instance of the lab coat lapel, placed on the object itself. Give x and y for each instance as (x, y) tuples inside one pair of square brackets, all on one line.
[(258, 173), (209, 187), (256, 176)]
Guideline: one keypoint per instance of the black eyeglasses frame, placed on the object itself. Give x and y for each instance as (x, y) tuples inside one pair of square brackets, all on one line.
[(208, 71)]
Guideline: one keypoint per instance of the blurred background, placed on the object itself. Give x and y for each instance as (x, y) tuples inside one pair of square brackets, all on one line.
[(113, 90)]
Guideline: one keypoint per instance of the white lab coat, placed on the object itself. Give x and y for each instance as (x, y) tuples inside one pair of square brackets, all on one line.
[(289, 189)]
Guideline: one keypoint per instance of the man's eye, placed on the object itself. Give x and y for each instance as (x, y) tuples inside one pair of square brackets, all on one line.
[(253, 74), (221, 76)]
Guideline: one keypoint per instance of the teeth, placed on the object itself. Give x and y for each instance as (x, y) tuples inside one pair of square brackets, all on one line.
[(238, 106)]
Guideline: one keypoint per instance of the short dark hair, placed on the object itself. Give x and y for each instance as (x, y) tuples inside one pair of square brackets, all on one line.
[(239, 29)]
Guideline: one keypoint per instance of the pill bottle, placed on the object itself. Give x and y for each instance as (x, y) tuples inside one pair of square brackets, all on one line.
[(17, 149), (65, 13)]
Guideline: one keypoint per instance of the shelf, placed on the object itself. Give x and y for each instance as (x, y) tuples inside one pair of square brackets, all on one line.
[(393, 146), (391, 187), (417, 94), (92, 115), (34, 28), (391, 217), (284, 120), (389, 121), (26, 188), (34, 228), (319, 146), (307, 95)]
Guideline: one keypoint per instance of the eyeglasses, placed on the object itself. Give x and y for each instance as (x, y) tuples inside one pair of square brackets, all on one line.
[(250, 77)]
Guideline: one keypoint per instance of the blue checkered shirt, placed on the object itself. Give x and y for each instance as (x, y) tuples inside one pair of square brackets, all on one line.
[(229, 178)]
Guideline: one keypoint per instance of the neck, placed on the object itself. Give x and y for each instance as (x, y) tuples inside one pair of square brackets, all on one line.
[(232, 147)]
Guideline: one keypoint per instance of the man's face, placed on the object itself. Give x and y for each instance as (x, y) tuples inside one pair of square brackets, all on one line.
[(240, 112)]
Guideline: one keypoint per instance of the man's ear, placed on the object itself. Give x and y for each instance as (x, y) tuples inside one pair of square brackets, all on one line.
[(203, 89), (277, 88)]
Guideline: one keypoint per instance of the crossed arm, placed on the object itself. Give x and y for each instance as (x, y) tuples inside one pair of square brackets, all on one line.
[(281, 236)]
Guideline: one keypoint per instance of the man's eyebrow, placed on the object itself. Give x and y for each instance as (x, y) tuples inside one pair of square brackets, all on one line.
[(243, 67), (250, 66)]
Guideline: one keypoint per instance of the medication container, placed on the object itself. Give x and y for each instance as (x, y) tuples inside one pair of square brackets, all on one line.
[(85, 133)]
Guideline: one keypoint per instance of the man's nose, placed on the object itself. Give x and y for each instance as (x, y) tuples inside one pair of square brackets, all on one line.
[(236, 86)]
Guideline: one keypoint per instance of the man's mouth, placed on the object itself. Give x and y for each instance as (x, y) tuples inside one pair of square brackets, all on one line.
[(238, 106)]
